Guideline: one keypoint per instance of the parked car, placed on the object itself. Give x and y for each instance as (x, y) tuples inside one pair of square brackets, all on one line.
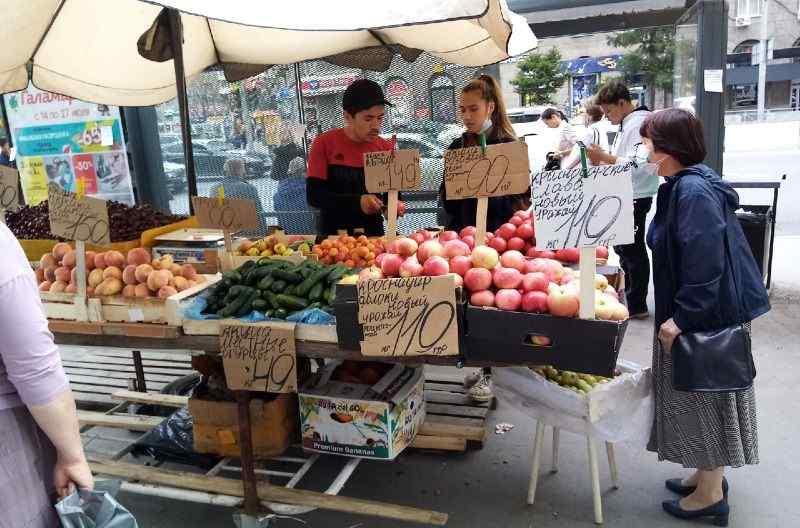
[(525, 120), (431, 158), (209, 159)]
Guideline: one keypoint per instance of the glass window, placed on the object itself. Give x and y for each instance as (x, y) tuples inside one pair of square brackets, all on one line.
[(748, 8)]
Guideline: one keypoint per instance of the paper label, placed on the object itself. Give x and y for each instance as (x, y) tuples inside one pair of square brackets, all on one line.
[(9, 189), (503, 170), (259, 356), (74, 218), (229, 214), (392, 170)]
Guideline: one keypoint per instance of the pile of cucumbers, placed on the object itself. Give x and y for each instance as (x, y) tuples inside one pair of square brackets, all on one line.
[(276, 288)]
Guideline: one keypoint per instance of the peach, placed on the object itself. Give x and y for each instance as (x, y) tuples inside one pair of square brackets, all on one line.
[(142, 272), (138, 256), (129, 275)]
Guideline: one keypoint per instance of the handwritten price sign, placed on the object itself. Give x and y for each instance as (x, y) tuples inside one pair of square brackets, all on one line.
[(408, 317), (9, 185), (82, 219), (233, 214), (503, 170), (572, 211), (393, 170), (259, 356)]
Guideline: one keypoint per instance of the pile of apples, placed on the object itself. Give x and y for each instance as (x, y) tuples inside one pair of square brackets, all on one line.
[(112, 273)]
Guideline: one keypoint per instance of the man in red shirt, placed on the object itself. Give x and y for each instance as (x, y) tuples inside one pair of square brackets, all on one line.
[(335, 182)]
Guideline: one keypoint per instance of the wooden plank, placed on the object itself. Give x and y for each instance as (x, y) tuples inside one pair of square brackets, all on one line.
[(439, 442), (75, 327), (94, 389), (130, 422), (174, 373), (467, 428), (72, 371), (146, 354), (155, 331), (455, 410), (452, 398), (445, 387), (92, 399), (266, 492), (456, 378), (167, 400), (110, 382), (74, 356)]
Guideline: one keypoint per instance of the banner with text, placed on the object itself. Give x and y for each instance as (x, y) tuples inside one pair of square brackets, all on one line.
[(572, 211), (61, 140)]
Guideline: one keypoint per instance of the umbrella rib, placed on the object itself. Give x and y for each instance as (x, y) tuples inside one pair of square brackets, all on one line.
[(214, 42), (47, 30)]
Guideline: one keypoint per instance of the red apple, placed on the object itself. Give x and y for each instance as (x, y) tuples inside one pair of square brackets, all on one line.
[(460, 264), (457, 279), (418, 237), (562, 302), (516, 220), (513, 259), (484, 257), (547, 254), (406, 246), (571, 255), (477, 279), (428, 249), (391, 247), (401, 208), (499, 243), (525, 231), (525, 215), (506, 278), (534, 301), (506, 231), (532, 252), (601, 252), (370, 273), (516, 243), (447, 235), (390, 264), (469, 240), (435, 266), (508, 299), (489, 236), (536, 281), (455, 248), (467, 231), (379, 259), (482, 298), (411, 267)]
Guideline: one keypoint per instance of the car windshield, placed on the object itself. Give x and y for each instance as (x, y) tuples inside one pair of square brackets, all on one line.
[(523, 118)]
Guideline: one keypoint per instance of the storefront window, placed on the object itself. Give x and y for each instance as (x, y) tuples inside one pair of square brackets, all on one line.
[(685, 72), (748, 8), (443, 99)]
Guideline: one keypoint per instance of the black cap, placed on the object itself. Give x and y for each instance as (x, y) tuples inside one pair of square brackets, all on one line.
[(361, 95)]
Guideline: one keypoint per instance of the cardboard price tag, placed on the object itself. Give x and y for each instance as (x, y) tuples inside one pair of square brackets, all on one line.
[(392, 170), (9, 187), (572, 211), (503, 170), (229, 214), (411, 316), (84, 219), (259, 356)]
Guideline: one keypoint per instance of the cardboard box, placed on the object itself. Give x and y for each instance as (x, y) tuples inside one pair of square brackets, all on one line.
[(216, 428), (363, 421), (588, 346)]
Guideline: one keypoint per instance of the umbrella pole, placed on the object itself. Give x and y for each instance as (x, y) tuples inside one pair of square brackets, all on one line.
[(176, 42)]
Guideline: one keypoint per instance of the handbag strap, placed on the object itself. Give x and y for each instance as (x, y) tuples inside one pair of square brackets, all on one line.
[(729, 257)]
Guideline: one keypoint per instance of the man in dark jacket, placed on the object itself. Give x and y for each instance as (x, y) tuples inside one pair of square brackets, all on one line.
[(5, 154)]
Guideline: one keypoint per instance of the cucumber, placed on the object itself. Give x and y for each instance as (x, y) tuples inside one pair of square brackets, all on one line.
[(290, 289), (272, 299), (268, 313), (266, 282), (278, 286), (256, 274), (315, 294), (313, 279), (316, 304), (244, 268), (247, 305), (337, 274), (234, 306), (330, 294), (280, 313), (260, 305), (290, 277), (233, 276), (292, 302)]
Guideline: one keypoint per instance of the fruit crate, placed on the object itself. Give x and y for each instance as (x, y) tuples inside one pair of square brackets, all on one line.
[(519, 338), (118, 309)]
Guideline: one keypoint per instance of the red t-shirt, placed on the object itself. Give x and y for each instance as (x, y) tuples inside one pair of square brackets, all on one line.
[(335, 149)]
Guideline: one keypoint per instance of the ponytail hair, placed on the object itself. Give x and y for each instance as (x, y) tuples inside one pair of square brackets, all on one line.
[(489, 90)]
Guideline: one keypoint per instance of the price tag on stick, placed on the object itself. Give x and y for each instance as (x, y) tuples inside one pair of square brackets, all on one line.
[(9, 189), (231, 214), (259, 356), (390, 172), (81, 219), (410, 316)]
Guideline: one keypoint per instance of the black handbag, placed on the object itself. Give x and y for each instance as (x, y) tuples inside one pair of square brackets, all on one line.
[(719, 360)]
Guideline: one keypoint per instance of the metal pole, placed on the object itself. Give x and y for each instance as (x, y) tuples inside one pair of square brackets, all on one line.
[(247, 120), (763, 53), (301, 111), (176, 41)]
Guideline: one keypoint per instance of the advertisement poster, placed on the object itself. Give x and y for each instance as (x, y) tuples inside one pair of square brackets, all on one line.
[(59, 140)]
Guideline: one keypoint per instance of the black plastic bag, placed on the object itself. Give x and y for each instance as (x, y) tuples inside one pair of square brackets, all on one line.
[(173, 441)]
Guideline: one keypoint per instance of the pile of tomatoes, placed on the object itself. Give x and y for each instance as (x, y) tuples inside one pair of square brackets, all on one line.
[(353, 252)]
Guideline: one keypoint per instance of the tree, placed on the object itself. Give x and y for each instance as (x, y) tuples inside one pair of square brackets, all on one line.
[(652, 56), (539, 77)]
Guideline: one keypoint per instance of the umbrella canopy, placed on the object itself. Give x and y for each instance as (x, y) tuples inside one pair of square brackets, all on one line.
[(88, 48)]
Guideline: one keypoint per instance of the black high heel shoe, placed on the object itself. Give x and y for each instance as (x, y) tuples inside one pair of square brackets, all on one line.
[(675, 485), (718, 512)]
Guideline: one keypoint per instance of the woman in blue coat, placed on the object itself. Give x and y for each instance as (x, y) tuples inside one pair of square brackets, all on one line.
[(700, 284)]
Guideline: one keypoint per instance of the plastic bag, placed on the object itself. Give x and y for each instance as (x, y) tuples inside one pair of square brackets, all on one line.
[(313, 316), (95, 509), (173, 441), (618, 411)]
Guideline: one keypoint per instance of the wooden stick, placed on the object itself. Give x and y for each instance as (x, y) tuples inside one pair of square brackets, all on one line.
[(80, 276), (226, 486), (251, 503), (480, 221), (391, 218), (588, 267)]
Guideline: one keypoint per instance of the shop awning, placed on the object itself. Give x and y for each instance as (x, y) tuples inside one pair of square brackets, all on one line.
[(88, 48), (591, 65)]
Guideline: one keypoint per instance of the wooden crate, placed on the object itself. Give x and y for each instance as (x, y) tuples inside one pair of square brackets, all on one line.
[(118, 309)]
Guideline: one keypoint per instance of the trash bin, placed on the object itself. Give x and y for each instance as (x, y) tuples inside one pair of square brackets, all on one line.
[(757, 222)]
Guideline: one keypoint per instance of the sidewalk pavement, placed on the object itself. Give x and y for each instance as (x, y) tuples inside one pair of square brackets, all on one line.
[(488, 488)]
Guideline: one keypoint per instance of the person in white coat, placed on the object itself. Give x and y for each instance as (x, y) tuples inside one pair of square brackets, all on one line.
[(593, 136)]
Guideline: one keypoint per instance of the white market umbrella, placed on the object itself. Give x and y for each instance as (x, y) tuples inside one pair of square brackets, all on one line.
[(88, 48)]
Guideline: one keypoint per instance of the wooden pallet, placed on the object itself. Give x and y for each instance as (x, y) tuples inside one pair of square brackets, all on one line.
[(96, 374), (453, 421)]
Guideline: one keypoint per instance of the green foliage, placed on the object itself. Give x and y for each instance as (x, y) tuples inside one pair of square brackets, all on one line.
[(651, 55), (539, 77)]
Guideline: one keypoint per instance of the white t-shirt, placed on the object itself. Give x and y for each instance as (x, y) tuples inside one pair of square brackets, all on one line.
[(593, 135)]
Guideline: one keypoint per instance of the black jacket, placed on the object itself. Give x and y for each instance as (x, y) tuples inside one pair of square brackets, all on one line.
[(461, 213), (699, 283)]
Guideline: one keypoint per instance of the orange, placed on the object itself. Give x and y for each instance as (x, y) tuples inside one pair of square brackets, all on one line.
[(333, 252), (350, 263)]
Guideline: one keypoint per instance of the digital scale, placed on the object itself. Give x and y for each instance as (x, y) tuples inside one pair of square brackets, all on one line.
[(190, 245)]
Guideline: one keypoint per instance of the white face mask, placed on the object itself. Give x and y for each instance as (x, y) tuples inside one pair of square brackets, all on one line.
[(486, 125)]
